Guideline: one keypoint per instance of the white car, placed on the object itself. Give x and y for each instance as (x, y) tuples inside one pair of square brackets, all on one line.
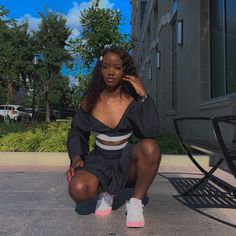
[(14, 112)]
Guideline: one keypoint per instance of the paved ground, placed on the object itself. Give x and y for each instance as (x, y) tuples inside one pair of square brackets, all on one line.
[(34, 201)]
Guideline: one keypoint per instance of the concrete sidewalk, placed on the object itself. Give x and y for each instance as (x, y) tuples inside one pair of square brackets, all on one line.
[(34, 201)]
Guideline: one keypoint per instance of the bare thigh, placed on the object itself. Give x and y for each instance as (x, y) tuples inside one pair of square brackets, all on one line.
[(147, 151)]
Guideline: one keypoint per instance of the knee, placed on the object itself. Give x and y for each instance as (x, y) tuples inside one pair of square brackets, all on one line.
[(78, 191), (150, 151)]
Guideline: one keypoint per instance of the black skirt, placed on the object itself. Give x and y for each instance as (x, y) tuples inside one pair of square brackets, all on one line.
[(109, 166)]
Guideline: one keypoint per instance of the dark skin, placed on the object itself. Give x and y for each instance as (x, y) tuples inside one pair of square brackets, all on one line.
[(145, 158)]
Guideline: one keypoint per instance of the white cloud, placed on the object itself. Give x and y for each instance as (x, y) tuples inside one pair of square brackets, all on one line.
[(72, 16), (33, 21), (106, 4)]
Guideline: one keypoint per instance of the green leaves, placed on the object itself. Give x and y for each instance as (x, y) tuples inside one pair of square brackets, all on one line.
[(49, 137), (3, 11), (50, 42), (100, 27), (15, 53)]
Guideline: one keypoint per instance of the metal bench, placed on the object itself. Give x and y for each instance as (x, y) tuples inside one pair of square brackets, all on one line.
[(218, 148)]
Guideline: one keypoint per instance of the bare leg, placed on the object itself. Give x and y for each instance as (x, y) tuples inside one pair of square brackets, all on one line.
[(145, 161), (83, 186)]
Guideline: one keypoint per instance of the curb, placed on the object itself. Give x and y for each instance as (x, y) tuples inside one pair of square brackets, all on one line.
[(34, 159), (62, 159)]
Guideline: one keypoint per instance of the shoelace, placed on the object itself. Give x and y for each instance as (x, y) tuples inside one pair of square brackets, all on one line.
[(105, 197), (135, 206)]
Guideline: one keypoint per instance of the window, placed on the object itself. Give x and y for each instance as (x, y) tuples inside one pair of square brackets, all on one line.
[(149, 31), (143, 8), (174, 65), (149, 72), (231, 46), (156, 8), (10, 108), (174, 6), (158, 58), (223, 47), (20, 109), (155, 17)]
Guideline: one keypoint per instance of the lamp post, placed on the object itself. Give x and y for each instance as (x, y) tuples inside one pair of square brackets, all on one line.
[(35, 63)]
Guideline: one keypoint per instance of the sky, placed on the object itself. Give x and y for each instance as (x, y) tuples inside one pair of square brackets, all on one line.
[(28, 9), (21, 10)]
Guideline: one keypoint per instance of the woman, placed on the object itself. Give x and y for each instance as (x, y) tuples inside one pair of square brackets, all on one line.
[(115, 106)]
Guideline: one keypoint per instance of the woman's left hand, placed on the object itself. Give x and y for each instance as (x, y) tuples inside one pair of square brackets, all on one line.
[(136, 84)]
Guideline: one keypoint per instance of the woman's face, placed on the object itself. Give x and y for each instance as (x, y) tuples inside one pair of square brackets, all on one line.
[(112, 69)]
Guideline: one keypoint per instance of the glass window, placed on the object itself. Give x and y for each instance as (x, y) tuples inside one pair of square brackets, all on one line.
[(174, 65), (10, 108), (217, 49), (20, 109), (143, 8), (231, 46), (223, 47)]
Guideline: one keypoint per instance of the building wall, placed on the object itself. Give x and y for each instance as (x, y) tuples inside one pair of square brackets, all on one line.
[(193, 60)]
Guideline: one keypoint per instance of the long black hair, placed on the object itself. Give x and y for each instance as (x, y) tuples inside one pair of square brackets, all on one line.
[(97, 84)]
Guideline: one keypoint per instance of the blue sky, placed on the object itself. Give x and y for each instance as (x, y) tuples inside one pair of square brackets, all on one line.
[(28, 10)]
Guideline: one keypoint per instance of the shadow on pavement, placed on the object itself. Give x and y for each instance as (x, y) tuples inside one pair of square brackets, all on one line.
[(120, 199), (206, 196)]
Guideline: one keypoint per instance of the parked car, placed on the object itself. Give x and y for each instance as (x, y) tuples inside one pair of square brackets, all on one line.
[(40, 114), (14, 112), (53, 113), (30, 111)]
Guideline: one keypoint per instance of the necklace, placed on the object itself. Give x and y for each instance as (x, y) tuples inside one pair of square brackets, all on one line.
[(111, 101)]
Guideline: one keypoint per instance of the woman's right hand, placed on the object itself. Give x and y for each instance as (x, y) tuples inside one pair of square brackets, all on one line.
[(76, 162)]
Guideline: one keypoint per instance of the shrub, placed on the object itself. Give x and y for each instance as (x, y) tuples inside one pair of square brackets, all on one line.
[(51, 137), (46, 137), (169, 144)]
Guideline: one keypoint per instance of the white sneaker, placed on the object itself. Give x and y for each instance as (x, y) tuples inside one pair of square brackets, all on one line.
[(134, 216), (104, 204)]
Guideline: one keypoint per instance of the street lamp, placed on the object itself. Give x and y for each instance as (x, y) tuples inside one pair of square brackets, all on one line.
[(35, 63)]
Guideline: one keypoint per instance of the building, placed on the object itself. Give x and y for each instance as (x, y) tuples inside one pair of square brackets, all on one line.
[(185, 54)]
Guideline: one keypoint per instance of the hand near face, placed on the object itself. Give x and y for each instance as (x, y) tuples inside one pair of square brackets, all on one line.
[(136, 83)]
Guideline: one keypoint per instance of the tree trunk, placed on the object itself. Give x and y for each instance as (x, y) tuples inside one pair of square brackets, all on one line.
[(9, 91), (47, 103)]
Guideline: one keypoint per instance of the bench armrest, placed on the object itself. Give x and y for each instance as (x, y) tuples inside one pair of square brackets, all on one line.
[(225, 119)]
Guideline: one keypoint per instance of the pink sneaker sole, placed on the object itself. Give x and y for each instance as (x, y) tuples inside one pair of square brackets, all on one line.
[(103, 213), (135, 224)]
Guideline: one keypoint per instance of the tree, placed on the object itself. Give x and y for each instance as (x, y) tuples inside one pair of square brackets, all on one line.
[(15, 61), (100, 27), (3, 11), (51, 42), (60, 92), (3, 60)]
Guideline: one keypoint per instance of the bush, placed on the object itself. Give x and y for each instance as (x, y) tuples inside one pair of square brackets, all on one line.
[(169, 144), (12, 127), (51, 137), (46, 137)]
